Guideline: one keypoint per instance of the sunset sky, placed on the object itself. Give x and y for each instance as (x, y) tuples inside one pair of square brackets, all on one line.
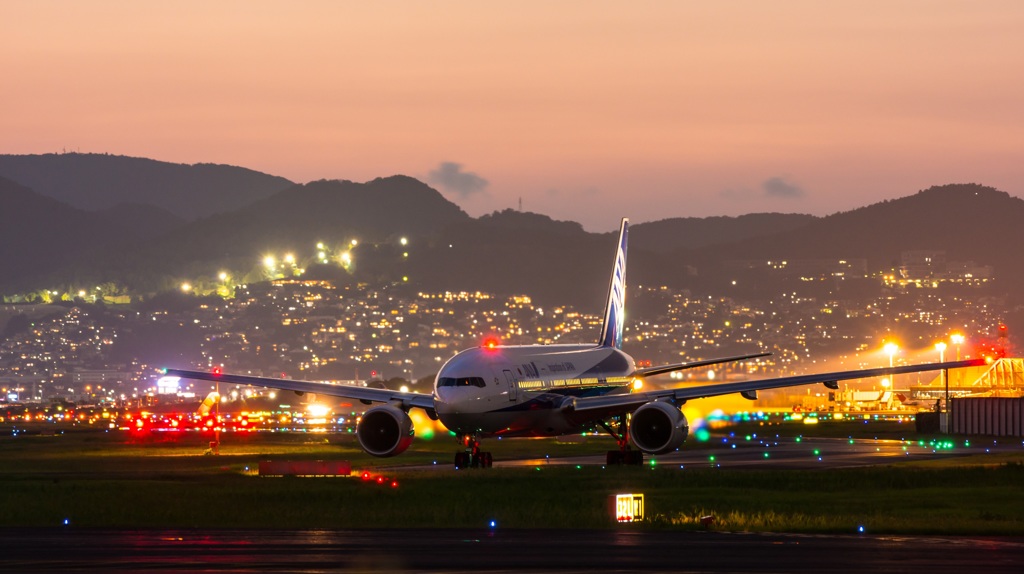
[(586, 110)]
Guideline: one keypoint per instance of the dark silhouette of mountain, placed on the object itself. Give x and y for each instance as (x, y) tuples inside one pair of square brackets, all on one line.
[(670, 235), (377, 214), (968, 221), (140, 221), (99, 181), (505, 252), (514, 252), (40, 235)]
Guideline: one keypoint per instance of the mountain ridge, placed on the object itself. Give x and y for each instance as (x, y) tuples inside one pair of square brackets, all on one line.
[(94, 182), (149, 249)]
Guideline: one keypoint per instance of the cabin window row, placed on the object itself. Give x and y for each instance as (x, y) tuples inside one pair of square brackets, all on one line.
[(461, 382)]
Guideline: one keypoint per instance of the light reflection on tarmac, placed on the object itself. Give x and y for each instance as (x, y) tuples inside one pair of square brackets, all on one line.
[(465, 550)]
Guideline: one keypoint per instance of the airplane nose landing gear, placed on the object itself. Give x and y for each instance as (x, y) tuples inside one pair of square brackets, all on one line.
[(472, 456)]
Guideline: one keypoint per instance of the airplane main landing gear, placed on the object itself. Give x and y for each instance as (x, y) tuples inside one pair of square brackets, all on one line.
[(625, 455), (472, 457)]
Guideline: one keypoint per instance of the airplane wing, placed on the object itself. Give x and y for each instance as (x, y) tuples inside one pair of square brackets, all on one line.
[(610, 405), (662, 369), (364, 394)]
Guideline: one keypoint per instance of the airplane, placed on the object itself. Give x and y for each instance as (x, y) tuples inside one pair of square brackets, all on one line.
[(495, 390)]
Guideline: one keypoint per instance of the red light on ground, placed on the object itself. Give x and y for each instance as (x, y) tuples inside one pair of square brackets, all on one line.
[(380, 480), (394, 484), (366, 476)]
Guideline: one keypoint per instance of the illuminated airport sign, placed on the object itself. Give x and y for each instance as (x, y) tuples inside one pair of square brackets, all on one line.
[(629, 507)]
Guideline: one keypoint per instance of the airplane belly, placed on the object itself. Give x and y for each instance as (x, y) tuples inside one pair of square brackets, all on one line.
[(547, 422)]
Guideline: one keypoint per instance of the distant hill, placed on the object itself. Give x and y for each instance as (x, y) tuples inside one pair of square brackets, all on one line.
[(515, 252), (98, 181), (670, 235), (375, 213), (40, 235), (140, 221), (557, 262), (969, 222)]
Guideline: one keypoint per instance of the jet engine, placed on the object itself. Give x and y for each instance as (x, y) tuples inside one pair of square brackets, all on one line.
[(658, 427), (385, 430)]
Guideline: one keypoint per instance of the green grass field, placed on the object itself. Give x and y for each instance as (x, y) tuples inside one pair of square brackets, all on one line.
[(117, 479)]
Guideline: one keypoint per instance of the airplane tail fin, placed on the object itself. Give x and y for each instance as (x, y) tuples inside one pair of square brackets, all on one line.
[(614, 312)]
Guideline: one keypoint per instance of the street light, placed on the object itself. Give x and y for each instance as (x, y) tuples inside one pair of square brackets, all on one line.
[(957, 339), (891, 349), (941, 348)]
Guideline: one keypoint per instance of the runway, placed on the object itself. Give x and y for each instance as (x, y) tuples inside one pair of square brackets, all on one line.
[(623, 548), (767, 453), (437, 550)]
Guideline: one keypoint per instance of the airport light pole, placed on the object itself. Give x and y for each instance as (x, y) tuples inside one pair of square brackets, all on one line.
[(941, 348), (957, 339), (891, 349)]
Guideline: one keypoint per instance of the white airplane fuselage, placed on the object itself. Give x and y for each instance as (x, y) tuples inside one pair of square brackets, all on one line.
[(521, 390)]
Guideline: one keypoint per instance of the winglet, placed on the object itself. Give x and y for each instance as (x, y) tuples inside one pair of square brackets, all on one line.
[(615, 310)]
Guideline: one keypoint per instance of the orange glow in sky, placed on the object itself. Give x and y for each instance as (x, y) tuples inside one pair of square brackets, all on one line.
[(586, 110)]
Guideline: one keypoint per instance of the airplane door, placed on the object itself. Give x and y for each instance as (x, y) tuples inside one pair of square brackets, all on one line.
[(513, 385)]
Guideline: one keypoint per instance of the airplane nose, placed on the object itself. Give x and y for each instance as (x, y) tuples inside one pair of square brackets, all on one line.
[(443, 395)]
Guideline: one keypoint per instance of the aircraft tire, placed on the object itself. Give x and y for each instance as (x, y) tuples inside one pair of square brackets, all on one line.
[(614, 457)]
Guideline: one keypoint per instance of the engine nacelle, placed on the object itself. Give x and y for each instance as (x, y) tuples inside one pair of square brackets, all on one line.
[(658, 427), (385, 430)]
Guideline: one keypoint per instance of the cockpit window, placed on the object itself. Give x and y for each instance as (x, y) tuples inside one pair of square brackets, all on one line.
[(461, 382)]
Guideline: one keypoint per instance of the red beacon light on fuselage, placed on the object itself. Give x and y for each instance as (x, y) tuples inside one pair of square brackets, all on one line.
[(491, 343)]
